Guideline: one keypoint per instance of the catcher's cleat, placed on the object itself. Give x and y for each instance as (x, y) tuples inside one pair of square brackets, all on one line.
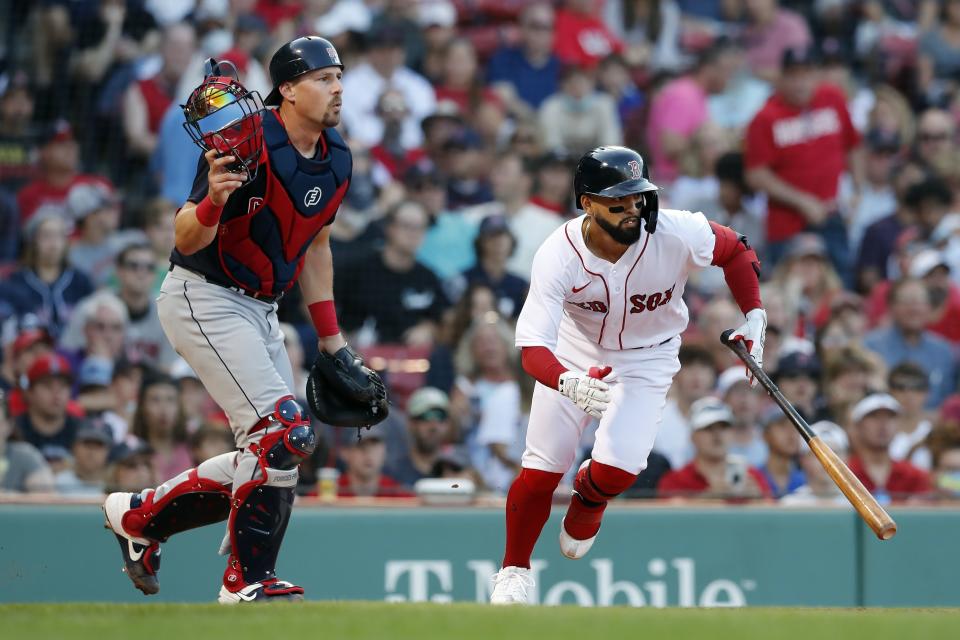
[(266, 591), (141, 557), (511, 586)]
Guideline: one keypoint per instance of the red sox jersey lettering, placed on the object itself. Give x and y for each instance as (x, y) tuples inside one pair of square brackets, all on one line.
[(644, 302)]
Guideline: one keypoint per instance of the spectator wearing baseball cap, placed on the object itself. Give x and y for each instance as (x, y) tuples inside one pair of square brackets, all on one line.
[(909, 384), (872, 429), (364, 455), (46, 423), (59, 171), (95, 210), (45, 285), (745, 404), (428, 430), (493, 247), (88, 474), (22, 468), (819, 486), (798, 376), (783, 442), (706, 476)]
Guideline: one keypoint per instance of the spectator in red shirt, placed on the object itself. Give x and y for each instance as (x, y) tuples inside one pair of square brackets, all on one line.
[(364, 459), (713, 473), (797, 148), (872, 429), (581, 38), (59, 171)]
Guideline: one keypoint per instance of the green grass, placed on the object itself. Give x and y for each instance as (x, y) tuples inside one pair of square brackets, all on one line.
[(381, 621)]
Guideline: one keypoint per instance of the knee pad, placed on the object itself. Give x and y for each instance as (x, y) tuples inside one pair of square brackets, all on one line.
[(285, 448), (188, 502), (597, 483)]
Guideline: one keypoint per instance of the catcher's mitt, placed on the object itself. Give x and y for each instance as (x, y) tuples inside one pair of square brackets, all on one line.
[(342, 392)]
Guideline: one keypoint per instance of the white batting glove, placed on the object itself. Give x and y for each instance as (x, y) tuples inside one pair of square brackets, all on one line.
[(753, 332), (587, 390)]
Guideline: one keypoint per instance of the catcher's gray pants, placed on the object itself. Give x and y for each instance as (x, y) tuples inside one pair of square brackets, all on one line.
[(232, 342), (235, 346)]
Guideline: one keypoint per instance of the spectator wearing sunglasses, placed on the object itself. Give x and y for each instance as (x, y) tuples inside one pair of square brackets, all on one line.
[(135, 277)]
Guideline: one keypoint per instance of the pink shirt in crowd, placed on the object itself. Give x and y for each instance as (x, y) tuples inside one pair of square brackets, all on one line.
[(680, 107), (765, 45)]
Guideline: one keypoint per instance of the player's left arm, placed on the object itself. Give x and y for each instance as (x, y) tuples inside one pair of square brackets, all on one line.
[(741, 270), (316, 282)]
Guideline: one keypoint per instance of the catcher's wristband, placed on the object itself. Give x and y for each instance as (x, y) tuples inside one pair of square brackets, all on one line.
[(324, 316), (208, 214)]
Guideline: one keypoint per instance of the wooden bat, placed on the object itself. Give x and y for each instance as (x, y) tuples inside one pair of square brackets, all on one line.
[(865, 504)]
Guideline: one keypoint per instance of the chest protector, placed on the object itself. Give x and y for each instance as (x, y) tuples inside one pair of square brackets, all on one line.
[(261, 244)]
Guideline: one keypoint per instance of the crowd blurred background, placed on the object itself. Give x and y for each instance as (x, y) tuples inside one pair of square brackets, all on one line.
[(826, 131)]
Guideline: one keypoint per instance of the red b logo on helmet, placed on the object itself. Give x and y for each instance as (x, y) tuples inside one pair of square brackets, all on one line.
[(635, 168)]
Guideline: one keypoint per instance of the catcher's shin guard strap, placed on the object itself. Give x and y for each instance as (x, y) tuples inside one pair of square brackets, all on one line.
[(192, 502)]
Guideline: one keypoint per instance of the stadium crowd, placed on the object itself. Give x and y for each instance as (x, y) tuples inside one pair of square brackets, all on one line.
[(825, 131)]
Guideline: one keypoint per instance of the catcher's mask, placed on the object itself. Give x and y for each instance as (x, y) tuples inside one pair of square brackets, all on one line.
[(222, 115)]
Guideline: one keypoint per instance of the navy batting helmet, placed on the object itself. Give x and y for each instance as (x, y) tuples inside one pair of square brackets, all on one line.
[(614, 172), (296, 58)]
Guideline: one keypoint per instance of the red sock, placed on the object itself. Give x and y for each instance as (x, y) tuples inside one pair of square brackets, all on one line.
[(595, 485), (528, 508)]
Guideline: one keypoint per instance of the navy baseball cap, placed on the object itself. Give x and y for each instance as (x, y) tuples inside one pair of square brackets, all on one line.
[(797, 364)]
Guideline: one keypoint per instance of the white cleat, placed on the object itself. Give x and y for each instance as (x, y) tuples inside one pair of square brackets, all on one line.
[(573, 548), (511, 585), (114, 507)]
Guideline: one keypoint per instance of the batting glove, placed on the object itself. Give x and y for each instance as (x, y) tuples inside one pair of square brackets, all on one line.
[(753, 332), (587, 390)]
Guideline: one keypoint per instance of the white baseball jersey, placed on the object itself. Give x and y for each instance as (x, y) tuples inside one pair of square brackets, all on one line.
[(577, 297), (591, 312)]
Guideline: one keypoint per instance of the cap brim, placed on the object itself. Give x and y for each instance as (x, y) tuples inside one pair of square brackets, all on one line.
[(273, 98)]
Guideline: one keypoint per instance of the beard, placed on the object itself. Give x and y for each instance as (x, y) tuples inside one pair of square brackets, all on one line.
[(622, 235)]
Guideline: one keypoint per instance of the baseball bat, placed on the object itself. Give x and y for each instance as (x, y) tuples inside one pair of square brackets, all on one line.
[(861, 499)]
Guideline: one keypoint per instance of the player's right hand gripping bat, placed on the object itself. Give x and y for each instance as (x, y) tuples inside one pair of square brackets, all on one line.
[(865, 504)]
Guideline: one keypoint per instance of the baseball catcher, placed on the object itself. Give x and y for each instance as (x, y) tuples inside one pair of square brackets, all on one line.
[(268, 185)]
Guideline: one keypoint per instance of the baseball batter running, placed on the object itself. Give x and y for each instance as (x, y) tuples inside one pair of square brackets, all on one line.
[(600, 331), (267, 188)]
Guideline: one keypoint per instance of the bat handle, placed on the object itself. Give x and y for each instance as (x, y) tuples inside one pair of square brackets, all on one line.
[(725, 337)]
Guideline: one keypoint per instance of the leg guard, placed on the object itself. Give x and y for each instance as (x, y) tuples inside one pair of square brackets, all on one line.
[(261, 504), (195, 498), (596, 484)]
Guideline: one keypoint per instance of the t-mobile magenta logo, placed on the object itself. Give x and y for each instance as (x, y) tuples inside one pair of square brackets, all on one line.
[(312, 197)]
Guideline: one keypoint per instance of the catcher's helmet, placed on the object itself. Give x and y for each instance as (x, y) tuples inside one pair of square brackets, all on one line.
[(614, 172), (298, 57), (221, 114)]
